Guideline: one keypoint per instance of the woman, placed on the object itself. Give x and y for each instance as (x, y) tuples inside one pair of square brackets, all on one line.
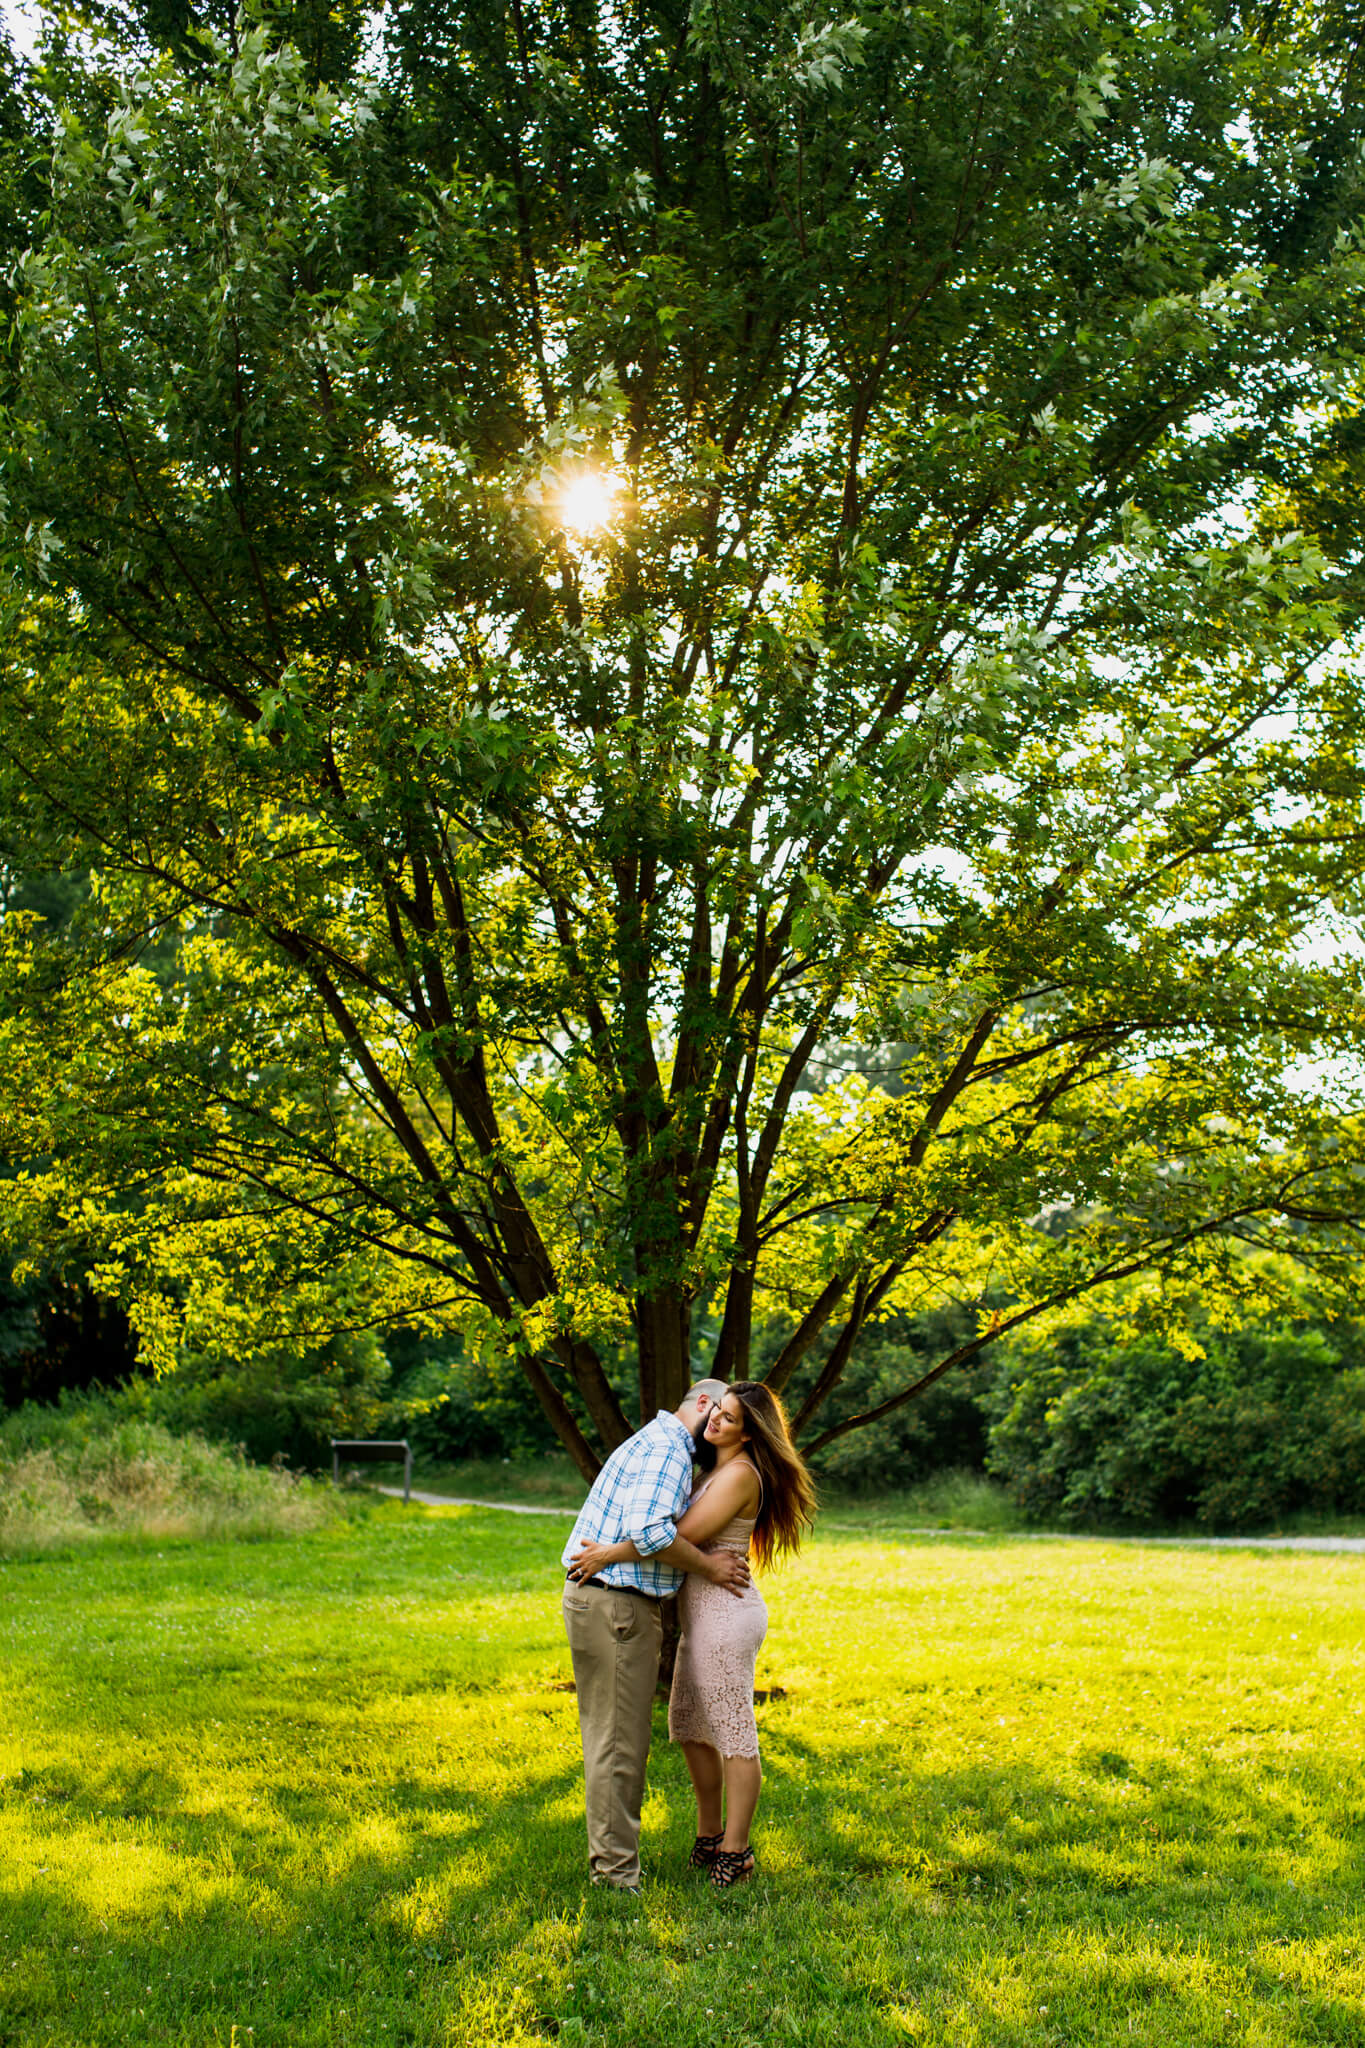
[(759, 1497)]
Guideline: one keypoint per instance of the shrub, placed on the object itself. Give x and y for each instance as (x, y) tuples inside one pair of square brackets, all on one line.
[(942, 1429), (458, 1401), (1267, 1423), (88, 1467), (458, 1404), (275, 1401)]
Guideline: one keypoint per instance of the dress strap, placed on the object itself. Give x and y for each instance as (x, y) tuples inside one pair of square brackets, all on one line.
[(759, 1477)]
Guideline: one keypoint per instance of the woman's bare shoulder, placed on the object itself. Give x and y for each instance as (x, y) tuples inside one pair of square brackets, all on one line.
[(741, 1480)]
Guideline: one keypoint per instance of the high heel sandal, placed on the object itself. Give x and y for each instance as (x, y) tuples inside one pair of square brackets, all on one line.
[(728, 1867), (704, 1851)]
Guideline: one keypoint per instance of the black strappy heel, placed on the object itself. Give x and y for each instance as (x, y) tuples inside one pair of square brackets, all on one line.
[(704, 1851), (727, 1867)]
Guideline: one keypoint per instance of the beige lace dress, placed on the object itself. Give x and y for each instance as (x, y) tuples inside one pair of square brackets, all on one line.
[(713, 1679)]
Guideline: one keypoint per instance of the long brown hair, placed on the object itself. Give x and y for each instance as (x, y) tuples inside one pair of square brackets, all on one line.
[(787, 1508)]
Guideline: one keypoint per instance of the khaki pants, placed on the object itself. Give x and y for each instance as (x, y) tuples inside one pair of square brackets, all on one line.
[(615, 1640)]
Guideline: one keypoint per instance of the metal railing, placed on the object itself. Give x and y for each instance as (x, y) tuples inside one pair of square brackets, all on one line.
[(372, 1451)]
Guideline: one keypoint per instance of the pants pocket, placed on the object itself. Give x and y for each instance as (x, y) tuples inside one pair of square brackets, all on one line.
[(625, 1618)]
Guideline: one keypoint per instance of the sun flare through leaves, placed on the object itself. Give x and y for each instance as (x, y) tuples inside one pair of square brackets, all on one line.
[(588, 502)]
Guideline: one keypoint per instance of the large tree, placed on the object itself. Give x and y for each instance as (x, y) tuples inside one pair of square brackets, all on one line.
[(579, 577)]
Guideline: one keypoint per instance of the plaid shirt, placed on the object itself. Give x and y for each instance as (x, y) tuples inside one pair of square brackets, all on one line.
[(638, 1494)]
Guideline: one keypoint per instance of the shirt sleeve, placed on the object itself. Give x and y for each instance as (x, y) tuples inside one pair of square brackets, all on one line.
[(649, 1508)]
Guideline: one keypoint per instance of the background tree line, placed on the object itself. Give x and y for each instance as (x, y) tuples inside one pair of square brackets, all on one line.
[(1108, 1423)]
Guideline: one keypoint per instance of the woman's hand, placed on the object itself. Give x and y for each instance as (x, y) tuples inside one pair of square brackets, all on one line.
[(588, 1562)]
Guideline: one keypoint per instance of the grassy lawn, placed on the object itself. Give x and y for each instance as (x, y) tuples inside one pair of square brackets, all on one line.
[(946, 1500), (551, 1481), (324, 1789)]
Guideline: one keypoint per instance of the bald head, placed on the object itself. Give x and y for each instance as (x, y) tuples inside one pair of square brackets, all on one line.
[(697, 1403)]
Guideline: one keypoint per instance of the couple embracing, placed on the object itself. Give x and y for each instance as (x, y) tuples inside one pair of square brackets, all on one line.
[(645, 1531)]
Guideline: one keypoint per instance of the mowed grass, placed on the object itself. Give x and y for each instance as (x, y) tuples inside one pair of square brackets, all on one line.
[(947, 1500), (325, 1789)]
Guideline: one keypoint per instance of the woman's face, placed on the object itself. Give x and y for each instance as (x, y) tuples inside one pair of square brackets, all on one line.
[(725, 1424)]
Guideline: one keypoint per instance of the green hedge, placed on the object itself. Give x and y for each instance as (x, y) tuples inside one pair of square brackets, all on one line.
[(942, 1429), (280, 1401), (1130, 1434)]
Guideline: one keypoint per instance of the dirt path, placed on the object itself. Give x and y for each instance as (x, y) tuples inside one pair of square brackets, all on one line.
[(451, 1500)]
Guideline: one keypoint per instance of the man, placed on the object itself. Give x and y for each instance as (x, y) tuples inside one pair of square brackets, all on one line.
[(613, 1622)]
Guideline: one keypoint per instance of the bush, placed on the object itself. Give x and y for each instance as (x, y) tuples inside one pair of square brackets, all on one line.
[(457, 1404), (275, 1402), (459, 1401), (1267, 1423), (88, 1467), (942, 1429)]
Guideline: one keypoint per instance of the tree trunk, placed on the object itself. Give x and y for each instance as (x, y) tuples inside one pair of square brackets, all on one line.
[(668, 1655), (663, 1329), (561, 1419)]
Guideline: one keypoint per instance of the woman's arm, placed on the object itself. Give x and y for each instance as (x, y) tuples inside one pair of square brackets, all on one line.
[(733, 1491)]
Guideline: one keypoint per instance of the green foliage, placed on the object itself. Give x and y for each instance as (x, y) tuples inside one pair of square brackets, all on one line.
[(965, 666), (459, 1404), (245, 1383), (89, 1468), (330, 1789), (944, 1428), (1238, 1431), (277, 1400)]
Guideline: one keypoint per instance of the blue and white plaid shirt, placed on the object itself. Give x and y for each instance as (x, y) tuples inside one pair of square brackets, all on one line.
[(638, 1495)]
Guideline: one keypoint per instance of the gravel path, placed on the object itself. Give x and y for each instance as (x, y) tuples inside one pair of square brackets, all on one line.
[(1252, 1542), (451, 1500), (1333, 1543)]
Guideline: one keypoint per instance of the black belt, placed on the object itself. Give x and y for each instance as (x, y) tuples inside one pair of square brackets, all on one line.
[(636, 1592)]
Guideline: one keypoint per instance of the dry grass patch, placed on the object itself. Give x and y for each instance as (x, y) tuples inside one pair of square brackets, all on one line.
[(95, 1476)]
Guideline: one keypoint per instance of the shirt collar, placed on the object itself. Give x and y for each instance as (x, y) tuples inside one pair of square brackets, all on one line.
[(682, 1433)]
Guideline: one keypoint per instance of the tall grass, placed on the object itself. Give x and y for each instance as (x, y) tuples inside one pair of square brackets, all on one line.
[(83, 1470), (952, 1499)]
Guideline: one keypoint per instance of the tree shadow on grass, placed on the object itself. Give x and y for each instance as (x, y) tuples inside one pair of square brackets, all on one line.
[(1120, 1902), (392, 1900), (1102, 1891)]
